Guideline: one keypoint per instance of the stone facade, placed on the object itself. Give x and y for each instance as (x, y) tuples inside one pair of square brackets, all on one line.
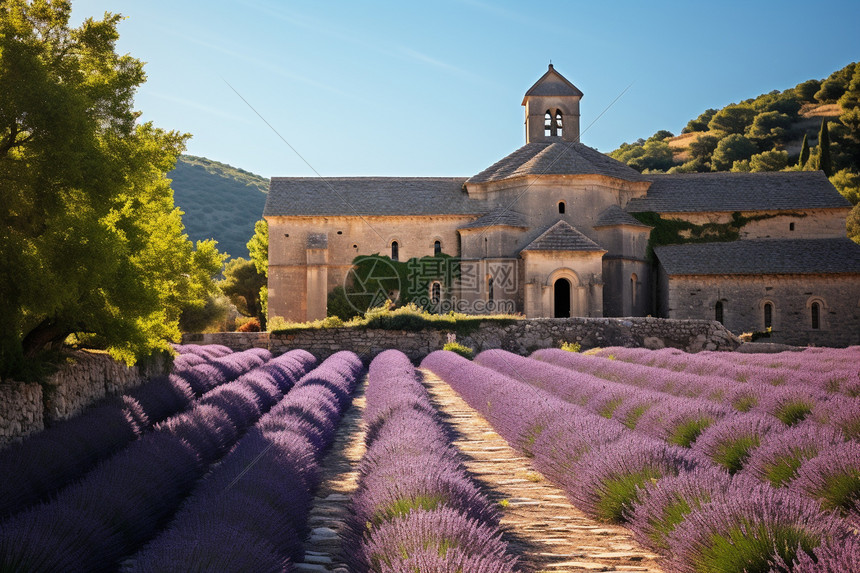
[(791, 299), (521, 337), (547, 231)]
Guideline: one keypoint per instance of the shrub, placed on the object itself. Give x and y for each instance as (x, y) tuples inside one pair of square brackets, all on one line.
[(250, 325), (460, 349), (571, 346)]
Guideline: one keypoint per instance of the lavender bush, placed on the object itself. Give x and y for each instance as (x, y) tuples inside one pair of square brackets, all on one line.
[(779, 456), (833, 479)]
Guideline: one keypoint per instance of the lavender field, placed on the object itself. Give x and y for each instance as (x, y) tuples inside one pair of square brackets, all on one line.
[(717, 462)]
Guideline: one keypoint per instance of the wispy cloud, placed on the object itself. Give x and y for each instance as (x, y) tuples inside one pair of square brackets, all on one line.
[(197, 105)]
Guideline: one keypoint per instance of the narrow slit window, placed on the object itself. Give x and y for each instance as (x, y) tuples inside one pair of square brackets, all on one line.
[(768, 315), (437, 248), (816, 315), (490, 289), (634, 280), (436, 293), (395, 251), (791, 226), (718, 311), (561, 207)]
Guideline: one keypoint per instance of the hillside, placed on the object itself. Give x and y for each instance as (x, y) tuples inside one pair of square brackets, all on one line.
[(220, 202), (776, 131)]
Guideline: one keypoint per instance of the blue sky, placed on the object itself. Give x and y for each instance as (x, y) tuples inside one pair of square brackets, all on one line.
[(434, 88)]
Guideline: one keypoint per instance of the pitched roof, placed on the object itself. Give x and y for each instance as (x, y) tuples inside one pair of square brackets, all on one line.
[(562, 237), (615, 215), (556, 158), (696, 192), (762, 256), (370, 196), (497, 217), (545, 86)]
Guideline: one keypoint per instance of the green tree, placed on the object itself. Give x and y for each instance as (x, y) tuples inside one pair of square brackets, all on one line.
[(806, 91), (732, 148), (848, 184), (831, 90), (852, 224), (242, 284), (823, 160), (703, 147), (769, 161), (90, 241), (701, 122), (769, 127), (258, 246), (804, 152), (851, 98), (732, 119), (661, 135)]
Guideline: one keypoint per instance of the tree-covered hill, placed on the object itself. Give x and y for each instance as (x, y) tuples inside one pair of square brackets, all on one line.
[(776, 131), (220, 202)]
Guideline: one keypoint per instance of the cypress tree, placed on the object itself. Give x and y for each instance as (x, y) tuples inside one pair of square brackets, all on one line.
[(804, 152), (824, 162)]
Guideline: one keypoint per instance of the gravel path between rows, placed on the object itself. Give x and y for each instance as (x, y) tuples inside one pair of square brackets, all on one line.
[(541, 526)]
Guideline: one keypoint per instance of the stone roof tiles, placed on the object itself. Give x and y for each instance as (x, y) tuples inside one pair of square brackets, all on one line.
[(615, 215), (562, 237), (762, 256), (309, 196), (497, 217), (703, 192), (555, 158), (547, 87)]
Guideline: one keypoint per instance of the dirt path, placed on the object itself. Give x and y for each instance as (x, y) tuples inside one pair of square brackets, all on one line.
[(541, 525)]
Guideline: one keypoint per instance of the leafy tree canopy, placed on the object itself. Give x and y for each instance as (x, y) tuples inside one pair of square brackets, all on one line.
[(242, 284), (732, 148), (769, 161), (732, 119), (700, 123), (258, 246), (90, 240)]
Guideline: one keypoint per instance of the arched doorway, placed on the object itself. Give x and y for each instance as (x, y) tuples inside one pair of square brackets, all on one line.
[(561, 290)]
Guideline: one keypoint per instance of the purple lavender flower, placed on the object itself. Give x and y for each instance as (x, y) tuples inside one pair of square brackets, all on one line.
[(730, 441), (779, 456), (833, 557), (833, 478), (606, 481), (750, 530)]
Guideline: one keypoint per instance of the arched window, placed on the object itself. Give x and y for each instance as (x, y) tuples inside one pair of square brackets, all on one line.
[(489, 289), (718, 311), (436, 293), (437, 248), (561, 207), (395, 251), (815, 311), (547, 124), (768, 315), (558, 126)]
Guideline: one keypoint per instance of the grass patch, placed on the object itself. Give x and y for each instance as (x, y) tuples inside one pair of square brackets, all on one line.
[(685, 434), (619, 493), (750, 548), (793, 412), (733, 454), (462, 350), (409, 318)]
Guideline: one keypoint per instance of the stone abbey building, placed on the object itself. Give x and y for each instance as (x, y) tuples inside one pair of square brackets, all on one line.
[(558, 229)]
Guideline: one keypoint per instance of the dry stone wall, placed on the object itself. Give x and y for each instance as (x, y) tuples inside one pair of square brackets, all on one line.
[(522, 337), (84, 378)]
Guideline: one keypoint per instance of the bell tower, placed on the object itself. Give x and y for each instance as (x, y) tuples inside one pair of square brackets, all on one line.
[(552, 109)]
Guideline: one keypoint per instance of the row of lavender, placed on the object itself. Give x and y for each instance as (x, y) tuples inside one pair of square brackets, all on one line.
[(43, 463), (677, 500), (105, 516), (832, 370), (808, 458), (250, 513), (791, 403), (415, 508)]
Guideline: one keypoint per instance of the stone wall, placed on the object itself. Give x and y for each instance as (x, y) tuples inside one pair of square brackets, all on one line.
[(790, 297), (522, 337), (21, 411), (84, 378)]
